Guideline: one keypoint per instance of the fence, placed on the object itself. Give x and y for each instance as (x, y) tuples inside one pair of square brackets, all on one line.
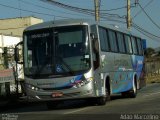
[(7, 78), (8, 85), (152, 69)]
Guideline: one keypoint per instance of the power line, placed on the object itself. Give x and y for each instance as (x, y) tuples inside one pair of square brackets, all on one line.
[(138, 28), (113, 15), (135, 25), (112, 20), (119, 8), (141, 9), (46, 14), (39, 6), (105, 17), (82, 10), (145, 32), (149, 17), (113, 9), (75, 9)]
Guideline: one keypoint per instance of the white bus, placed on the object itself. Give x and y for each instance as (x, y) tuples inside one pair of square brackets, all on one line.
[(80, 59)]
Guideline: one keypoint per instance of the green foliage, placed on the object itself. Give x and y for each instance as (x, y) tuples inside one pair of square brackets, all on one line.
[(159, 53), (149, 52)]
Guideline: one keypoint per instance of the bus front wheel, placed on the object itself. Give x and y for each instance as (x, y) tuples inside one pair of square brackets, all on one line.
[(102, 100)]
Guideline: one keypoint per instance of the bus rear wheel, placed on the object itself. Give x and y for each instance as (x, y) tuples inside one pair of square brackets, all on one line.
[(133, 92)]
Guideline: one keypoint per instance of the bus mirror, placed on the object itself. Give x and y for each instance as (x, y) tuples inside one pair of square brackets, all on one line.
[(17, 53)]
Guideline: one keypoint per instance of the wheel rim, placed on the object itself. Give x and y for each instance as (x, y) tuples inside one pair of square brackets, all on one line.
[(134, 86)]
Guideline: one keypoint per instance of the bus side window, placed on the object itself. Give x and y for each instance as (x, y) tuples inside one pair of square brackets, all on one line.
[(128, 44), (140, 49), (112, 40), (120, 42), (103, 36), (134, 45)]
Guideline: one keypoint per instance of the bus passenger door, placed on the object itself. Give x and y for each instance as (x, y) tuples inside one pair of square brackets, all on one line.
[(96, 65)]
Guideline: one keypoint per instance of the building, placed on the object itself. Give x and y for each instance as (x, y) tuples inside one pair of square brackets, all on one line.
[(11, 31), (15, 26)]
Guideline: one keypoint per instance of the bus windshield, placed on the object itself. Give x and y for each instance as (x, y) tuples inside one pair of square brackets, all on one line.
[(56, 51)]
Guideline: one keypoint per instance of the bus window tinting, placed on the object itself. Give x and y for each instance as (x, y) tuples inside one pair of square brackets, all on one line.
[(134, 45), (139, 43), (103, 39), (120, 42), (128, 44), (55, 52), (112, 40)]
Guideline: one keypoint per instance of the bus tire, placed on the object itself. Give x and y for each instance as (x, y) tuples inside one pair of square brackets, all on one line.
[(133, 92), (102, 100)]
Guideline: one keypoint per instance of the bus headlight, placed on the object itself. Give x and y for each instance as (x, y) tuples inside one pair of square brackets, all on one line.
[(81, 83), (32, 87)]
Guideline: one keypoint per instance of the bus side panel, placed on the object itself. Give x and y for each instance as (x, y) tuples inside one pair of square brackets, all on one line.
[(105, 69), (119, 69), (123, 73)]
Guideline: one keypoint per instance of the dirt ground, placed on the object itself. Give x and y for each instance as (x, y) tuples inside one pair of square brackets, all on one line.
[(152, 79)]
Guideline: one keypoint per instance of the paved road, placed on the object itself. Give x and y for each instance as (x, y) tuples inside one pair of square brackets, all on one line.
[(145, 106)]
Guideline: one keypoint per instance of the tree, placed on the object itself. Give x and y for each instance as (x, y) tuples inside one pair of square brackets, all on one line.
[(149, 52)]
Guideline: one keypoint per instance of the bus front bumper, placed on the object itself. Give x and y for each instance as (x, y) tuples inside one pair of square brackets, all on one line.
[(83, 92)]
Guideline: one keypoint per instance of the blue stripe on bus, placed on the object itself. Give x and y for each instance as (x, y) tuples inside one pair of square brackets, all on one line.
[(126, 83), (71, 82)]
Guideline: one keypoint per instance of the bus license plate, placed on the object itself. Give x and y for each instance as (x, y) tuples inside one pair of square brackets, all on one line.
[(57, 94)]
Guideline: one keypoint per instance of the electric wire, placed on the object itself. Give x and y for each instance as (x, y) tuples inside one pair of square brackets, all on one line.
[(141, 9), (77, 9), (114, 9), (40, 13), (149, 17), (39, 6), (106, 16), (145, 32)]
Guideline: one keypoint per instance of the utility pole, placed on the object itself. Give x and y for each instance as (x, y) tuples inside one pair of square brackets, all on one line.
[(128, 14), (96, 3)]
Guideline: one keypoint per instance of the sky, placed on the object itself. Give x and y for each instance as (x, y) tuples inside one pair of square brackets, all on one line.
[(145, 15)]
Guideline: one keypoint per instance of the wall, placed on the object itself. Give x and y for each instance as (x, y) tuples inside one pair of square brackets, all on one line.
[(15, 26)]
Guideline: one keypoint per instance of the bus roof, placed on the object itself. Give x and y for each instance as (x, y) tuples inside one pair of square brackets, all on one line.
[(65, 22)]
